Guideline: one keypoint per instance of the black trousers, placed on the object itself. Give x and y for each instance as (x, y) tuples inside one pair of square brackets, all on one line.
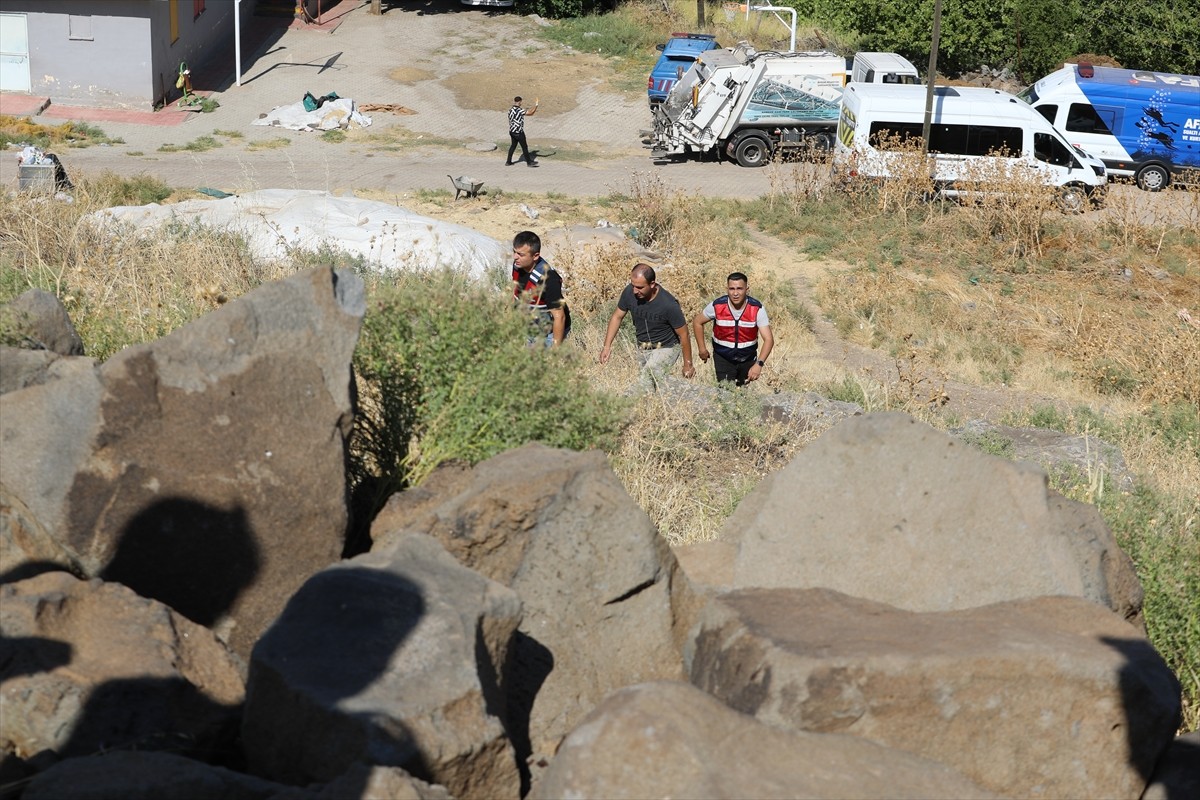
[(736, 371), (519, 139)]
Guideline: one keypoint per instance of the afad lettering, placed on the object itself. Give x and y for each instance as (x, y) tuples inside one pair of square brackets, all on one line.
[(1170, 80)]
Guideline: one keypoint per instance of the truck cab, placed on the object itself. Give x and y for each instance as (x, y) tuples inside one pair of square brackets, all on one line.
[(678, 54), (883, 68)]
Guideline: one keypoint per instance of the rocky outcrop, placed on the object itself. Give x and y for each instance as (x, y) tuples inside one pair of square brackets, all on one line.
[(153, 775), (1050, 697), (393, 658), (593, 575), (37, 320), (672, 740), (206, 469), (89, 666), (889, 509), (1177, 776)]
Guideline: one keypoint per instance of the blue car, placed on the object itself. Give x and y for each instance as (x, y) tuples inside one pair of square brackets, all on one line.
[(677, 55)]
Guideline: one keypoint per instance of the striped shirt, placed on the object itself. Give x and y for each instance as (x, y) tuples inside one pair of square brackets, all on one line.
[(516, 119)]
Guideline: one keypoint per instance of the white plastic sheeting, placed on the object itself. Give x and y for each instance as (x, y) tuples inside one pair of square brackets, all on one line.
[(340, 113), (277, 222)]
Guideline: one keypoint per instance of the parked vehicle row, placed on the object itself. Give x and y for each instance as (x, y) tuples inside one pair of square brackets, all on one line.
[(1078, 127)]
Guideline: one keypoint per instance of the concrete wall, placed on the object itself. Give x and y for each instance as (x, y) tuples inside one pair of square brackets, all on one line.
[(130, 60)]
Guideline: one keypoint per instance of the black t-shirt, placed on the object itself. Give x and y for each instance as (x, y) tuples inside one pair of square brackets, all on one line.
[(654, 321)]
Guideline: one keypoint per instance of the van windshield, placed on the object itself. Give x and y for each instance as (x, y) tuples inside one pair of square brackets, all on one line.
[(1028, 95)]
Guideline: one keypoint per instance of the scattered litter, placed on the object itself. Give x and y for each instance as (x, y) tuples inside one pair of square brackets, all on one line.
[(279, 223), (1185, 316), (40, 170), (532, 213), (339, 113), (389, 108), (217, 193)]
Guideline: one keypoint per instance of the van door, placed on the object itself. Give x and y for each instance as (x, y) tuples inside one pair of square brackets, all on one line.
[(1091, 128), (1055, 160)]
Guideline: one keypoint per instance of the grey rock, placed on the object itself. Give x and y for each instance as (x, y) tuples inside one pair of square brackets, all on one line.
[(672, 740), (206, 469), (1177, 776), (37, 320), (889, 509), (20, 367), (481, 147), (1084, 455), (89, 666), (1052, 697), (394, 658), (597, 582)]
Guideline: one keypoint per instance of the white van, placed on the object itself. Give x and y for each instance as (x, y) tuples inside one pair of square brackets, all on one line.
[(883, 68), (971, 129)]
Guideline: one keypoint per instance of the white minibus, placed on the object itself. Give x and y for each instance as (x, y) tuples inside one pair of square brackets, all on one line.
[(972, 129)]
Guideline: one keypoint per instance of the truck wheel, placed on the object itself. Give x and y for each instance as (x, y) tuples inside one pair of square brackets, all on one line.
[(1153, 178), (1073, 199), (752, 151)]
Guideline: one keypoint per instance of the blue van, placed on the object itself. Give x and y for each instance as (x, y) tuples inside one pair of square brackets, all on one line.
[(1143, 125), (677, 55)]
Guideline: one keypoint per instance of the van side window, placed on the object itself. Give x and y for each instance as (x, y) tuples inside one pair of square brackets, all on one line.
[(869, 77), (1049, 149), (895, 135), (1082, 118), (976, 140), (1049, 112)]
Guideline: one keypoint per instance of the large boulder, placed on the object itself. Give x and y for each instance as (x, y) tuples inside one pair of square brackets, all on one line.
[(889, 509), (89, 666), (20, 367), (1051, 697), (140, 775), (392, 658), (37, 320), (672, 740), (206, 469), (594, 577), (1177, 776)]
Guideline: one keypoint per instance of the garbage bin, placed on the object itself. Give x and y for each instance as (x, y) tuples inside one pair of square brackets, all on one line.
[(36, 177)]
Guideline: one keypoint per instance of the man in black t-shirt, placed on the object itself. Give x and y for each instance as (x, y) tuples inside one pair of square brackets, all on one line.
[(659, 324), (539, 285)]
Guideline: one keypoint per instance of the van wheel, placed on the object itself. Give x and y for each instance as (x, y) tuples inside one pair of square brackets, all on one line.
[(1073, 199), (752, 151), (1153, 178)]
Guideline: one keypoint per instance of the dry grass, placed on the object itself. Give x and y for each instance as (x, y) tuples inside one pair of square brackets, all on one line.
[(119, 289)]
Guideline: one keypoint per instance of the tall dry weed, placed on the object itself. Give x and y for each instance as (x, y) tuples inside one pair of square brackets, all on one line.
[(121, 286)]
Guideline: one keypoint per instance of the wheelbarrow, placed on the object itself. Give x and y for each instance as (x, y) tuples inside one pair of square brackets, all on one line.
[(464, 185)]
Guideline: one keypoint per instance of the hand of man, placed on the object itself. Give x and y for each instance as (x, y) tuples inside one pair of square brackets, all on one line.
[(754, 372), (688, 370), (604, 354), (703, 355)]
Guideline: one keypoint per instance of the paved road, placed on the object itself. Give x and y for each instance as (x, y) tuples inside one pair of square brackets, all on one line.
[(357, 60)]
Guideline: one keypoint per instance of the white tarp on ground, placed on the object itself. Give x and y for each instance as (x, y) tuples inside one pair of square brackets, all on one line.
[(277, 222), (340, 113)]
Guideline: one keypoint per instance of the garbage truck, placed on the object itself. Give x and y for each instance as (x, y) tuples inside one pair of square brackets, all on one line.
[(747, 105)]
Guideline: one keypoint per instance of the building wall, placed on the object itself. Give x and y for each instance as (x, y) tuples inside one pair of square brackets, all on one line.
[(129, 59)]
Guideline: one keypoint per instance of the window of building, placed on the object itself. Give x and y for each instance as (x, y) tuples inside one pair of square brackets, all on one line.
[(79, 26)]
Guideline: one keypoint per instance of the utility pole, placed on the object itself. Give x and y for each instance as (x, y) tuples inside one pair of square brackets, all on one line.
[(933, 50), (376, 6), (699, 14)]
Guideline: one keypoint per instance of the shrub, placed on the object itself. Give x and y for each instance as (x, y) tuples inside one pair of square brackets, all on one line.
[(445, 374)]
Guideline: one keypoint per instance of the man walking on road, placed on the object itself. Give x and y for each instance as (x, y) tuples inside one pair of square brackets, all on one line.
[(738, 322), (659, 324), (516, 131)]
